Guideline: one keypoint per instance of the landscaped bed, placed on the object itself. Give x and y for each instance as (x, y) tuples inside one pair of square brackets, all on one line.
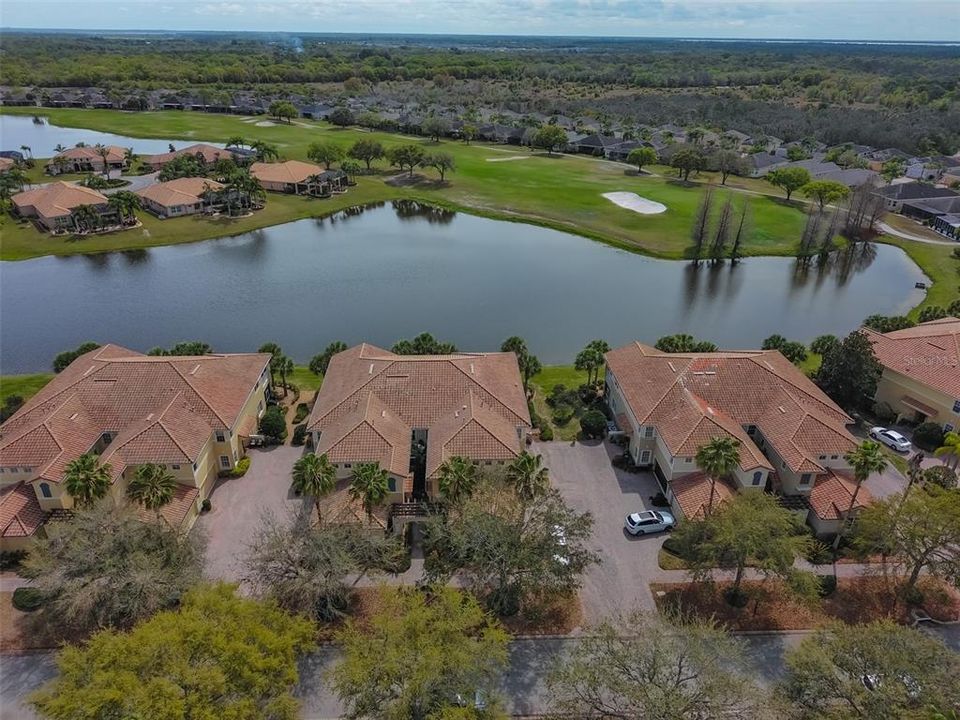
[(856, 600)]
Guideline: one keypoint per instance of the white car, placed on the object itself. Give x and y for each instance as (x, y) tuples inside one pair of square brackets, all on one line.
[(891, 438), (649, 521)]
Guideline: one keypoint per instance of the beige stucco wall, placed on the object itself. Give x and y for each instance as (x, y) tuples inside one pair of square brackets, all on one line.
[(893, 386)]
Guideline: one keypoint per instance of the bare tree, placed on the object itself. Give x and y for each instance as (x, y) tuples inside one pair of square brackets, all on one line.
[(721, 235), (743, 230), (701, 224)]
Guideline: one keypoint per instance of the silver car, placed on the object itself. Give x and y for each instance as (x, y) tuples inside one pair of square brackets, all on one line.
[(891, 438), (649, 521)]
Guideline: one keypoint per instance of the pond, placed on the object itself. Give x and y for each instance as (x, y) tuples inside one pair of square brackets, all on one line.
[(391, 271), (17, 130)]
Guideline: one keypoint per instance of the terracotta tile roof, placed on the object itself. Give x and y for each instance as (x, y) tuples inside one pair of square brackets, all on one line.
[(831, 495), (57, 199), (426, 392), (291, 171), (20, 512), (175, 512), (182, 191), (115, 154), (693, 397), (6, 164), (158, 409), (929, 353), (209, 153), (372, 433), (692, 493)]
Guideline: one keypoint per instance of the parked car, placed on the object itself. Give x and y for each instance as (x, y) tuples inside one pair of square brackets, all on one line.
[(649, 521), (891, 438)]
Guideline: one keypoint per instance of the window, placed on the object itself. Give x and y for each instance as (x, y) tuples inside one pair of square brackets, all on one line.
[(347, 465), (757, 477), (107, 437), (834, 457), (688, 460), (751, 429), (194, 467), (224, 461), (947, 427), (174, 467), (645, 457), (823, 457), (14, 470), (956, 406), (805, 479), (220, 437), (392, 485), (45, 490), (648, 431)]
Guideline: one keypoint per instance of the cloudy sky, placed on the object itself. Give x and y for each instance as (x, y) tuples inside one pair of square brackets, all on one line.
[(916, 20)]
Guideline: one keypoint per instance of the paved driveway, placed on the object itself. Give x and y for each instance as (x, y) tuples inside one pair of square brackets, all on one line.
[(582, 472), (238, 503)]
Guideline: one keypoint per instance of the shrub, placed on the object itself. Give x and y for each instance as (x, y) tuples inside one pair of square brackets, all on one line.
[(932, 312), (562, 413), (819, 553), (659, 500), (913, 596), (928, 435), (299, 434), (546, 433), (593, 424), (27, 599), (243, 464), (673, 547), (823, 343), (301, 413), (828, 585), (941, 475), (206, 505), (273, 424), (11, 559), (884, 412)]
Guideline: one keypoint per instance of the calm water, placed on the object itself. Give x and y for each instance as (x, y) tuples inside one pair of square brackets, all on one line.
[(16, 131), (393, 271)]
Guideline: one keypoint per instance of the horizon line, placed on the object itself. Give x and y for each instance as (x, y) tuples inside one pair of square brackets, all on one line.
[(485, 35)]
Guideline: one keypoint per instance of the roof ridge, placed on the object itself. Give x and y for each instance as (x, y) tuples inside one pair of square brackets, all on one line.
[(197, 392), (482, 387)]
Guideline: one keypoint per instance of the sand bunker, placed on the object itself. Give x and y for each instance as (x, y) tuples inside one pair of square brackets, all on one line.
[(266, 123), (632, 201), (507, 159)]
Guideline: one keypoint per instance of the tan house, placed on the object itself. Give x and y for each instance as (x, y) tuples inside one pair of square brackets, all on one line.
[(54, 205), (299, 178), (792, 437), (189, 414), (175, 198), (207, 154), (921, 371), (410, 413), (88, 159)]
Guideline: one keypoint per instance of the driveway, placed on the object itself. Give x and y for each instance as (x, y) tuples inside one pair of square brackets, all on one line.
[(583, 473), (237, 506)]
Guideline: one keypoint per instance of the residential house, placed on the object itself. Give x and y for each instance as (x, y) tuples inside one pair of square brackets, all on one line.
[(896, 195), (595, 144), (207, 154), (921, 371), (299, 178), (763, 162), (940, 214), (183, 196), (188, 414), (792, 437), (54, 205), (88, 159), (410, 413)]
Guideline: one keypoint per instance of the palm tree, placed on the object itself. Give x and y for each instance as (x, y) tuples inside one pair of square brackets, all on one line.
[(26, 150), (126, 204), (236, 141), (865, 459), (265, 151), (86, 217), (276, 352), (528, 476), (86, 480), (152, 486), (130, 156), (370, 485), (104, 153), (314, 475), (718, 458), (457, 478), (59, 148), (950, 450)]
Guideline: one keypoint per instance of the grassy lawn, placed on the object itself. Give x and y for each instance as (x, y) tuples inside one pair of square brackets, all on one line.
[(938, 264), (905, 224), (563, 192), (304, 379), (543, 382), (26, 386), (811, 364)]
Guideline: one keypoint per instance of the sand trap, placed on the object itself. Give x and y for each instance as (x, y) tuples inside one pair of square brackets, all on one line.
[(632, 201), (266, 123), (508, 159)]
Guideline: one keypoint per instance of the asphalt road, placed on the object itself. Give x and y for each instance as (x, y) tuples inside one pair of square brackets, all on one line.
[(523, 685)]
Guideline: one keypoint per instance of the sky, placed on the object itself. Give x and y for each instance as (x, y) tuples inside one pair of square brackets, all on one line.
[(908, 20)]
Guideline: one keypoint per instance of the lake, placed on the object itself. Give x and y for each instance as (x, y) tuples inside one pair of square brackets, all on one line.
[(391, 271), (16, 130)]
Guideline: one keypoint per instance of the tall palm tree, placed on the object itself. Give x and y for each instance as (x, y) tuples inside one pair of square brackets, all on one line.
[(236, 141), (265, 151), (130, 156), (457, 478), (950, 450), (26, 151), (285, 367), (865, 459), (276, 352), (126, 204), (104, 152), (314, 475), (86, 217), (152, 486), (529, 477), (718, 458), (370, 485), (59, 148), (86, 480)]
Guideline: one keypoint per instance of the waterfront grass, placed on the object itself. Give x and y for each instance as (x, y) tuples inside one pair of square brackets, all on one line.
[(563, 192), (26, 386), (304, 379)]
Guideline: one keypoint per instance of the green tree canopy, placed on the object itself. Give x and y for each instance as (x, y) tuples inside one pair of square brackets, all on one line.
[(825, 192), (105, 568), (86, 480), (216, 656), (441, 162), (457, 479), (683, 343), (316, 476), (370, 485), (406, 156), (62, 360), (687, 160), (320, 363), (366, 150), (550, 137), (283, 110), (419, 651), (152, 486), (325, 153), (849, 371), (641, 156), (789, 179), (423, 344)]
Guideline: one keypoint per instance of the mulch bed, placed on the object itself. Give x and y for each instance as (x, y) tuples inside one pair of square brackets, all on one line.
[(771, 606), (22, 632)]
